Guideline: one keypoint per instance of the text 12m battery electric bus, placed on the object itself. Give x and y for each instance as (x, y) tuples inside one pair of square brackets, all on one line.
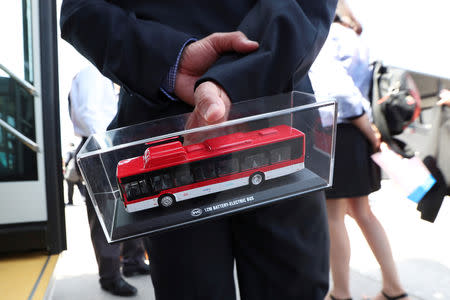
[(169, 172)]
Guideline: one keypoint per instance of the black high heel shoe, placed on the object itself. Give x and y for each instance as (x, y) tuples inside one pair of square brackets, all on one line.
[(404, 295)]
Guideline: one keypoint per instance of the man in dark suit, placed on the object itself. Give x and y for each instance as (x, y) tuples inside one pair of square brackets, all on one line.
[(169, 58), (92, 105), (70, 183)]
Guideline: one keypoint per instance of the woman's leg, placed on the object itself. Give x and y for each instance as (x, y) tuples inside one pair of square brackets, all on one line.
[(376, 237), (339, 248)]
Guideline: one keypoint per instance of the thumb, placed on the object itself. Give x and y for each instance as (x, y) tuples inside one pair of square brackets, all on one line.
[(208, 103), (232, 41)]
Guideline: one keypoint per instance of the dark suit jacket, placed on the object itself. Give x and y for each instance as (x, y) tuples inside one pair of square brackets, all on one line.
[(135, 42)]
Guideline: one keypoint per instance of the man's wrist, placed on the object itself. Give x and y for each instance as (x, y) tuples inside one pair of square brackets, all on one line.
[(168, 84)]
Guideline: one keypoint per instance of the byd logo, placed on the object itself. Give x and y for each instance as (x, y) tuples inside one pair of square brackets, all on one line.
[(196, 212)]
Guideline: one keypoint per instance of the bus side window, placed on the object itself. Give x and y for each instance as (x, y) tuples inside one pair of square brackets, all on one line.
[(254, 161), (183, 175), (203, 170), (145, 187), (156, 183), (296, 146), (132, 190), (209, 171), (161, 182), (280, 154), (197, 171), (227, 166)]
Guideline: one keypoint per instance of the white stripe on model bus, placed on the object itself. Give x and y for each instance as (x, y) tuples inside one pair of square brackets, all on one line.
[(283, 171), (137, 206), (214, 188), (210, 189)]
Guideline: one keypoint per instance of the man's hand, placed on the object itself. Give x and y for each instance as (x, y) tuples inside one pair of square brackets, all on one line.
[(444, 98), (347, 18), (369, 130), (212, 105), (211, 102), (199, 56)]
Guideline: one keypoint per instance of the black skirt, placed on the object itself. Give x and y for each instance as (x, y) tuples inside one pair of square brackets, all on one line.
[(355, 173)]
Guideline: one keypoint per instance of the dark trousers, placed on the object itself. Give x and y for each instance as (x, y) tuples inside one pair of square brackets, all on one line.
[(108, 255), (70, 186), (280, 251)]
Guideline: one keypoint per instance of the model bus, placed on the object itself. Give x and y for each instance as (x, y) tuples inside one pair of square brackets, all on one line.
[(169, 172)]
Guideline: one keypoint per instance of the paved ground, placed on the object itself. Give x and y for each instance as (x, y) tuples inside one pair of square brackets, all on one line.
[(421, 251)]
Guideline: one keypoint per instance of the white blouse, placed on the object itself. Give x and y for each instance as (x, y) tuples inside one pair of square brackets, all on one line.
[(342, 71)]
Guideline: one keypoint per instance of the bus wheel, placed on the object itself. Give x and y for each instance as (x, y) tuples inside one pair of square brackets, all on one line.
[(166, 200), (256, 179)]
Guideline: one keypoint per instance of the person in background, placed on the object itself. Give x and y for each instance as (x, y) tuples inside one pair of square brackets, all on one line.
[(342, 71), (173, 57), (93, 103), (440, 136), (444, 96), (70, 184), (347, 18)]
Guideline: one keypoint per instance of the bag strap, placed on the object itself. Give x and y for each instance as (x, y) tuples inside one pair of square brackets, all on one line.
[(378, 116)]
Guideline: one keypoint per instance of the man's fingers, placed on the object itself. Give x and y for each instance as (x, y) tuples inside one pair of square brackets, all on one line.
[(208, 102), (231, 41), (444, 102), (209, 105), (445, 97), (199, 56)]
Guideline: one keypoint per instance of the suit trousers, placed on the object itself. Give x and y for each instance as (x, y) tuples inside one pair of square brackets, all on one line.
[(280, 252), (108, 255), (70, 190)]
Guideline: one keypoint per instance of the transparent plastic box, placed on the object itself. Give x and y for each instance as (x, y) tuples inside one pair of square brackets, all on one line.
[(167, 173)]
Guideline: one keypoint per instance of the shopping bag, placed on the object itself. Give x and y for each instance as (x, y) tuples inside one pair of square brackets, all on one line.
[(410, 174)]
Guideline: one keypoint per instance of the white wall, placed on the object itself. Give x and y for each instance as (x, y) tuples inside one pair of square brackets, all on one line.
[(411, 34)]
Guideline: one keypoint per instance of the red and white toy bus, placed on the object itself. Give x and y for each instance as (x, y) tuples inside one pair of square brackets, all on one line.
[(169, 172)]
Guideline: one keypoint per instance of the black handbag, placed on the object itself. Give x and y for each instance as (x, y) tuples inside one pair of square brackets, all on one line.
[(395, 104)]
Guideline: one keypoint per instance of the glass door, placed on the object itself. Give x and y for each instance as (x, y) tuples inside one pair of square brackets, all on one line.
[(22, 168)]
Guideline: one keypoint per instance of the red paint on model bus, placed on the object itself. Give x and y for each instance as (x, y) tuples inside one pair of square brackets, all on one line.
[(174, 153)]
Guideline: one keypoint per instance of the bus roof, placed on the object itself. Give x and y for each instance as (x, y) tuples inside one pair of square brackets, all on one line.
[(174, 153)]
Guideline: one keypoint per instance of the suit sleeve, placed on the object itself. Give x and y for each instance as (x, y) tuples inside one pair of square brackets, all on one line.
[(290, 34), (124, 48)]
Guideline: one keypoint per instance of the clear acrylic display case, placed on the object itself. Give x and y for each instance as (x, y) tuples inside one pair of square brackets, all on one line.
[(167, 173)]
